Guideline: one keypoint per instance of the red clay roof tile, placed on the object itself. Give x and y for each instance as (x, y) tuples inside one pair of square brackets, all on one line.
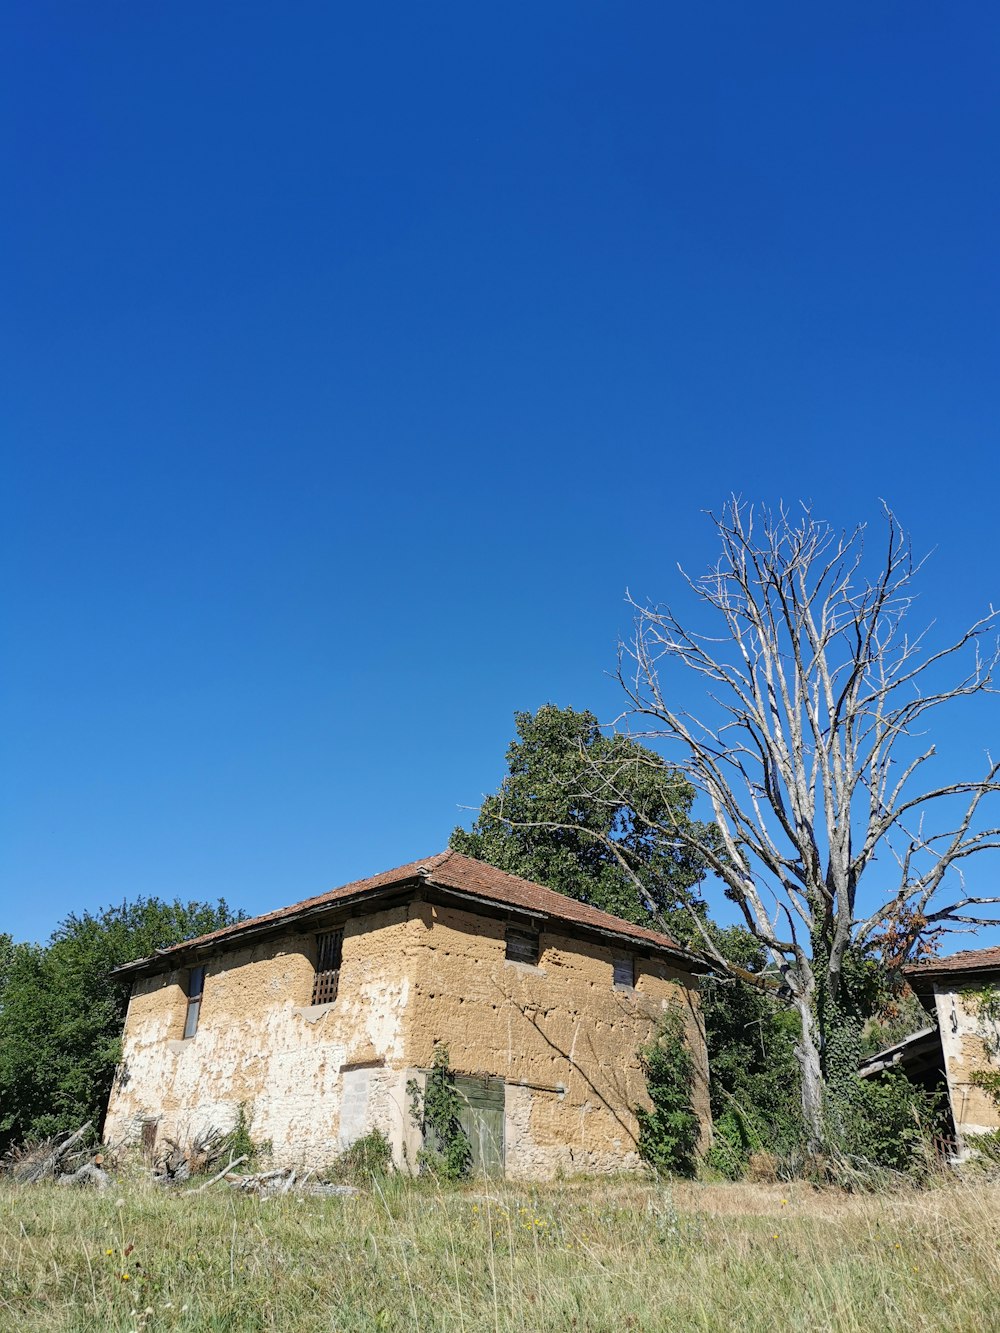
[(447, 870), (969, 960)]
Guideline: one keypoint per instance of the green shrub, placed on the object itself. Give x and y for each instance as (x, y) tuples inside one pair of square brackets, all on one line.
[(754, 1075), (239, 1142), (986, 1150), (368, 1158), (668, 1134), (889, 1123), (989, 1081), (737, 1135)]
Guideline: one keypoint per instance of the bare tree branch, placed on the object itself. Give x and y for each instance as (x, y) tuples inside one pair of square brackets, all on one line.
[(811, 750)]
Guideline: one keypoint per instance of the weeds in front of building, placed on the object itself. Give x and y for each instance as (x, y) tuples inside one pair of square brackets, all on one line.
[(582, 1255), (367, 1159), (670, 1130), (878, 1134)]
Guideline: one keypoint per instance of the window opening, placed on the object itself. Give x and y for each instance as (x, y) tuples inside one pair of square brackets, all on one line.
[(624, 969), (195, 991), (329, 954), (522, 946)]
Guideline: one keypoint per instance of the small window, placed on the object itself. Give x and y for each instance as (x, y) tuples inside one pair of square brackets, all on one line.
[(329, 953), (522, 946), (195, 990), (624, 968)]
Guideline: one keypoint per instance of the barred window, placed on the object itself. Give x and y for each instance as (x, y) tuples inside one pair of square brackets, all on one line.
[(195, 991), (329, 953), (624, 970), (522, 946)]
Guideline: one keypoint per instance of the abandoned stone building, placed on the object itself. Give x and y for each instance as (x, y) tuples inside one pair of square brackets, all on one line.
[(316, 1018), (960, 1044)]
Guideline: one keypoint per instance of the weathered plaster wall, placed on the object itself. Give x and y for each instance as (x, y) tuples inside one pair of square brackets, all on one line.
[(260, 1042), (560, 1035), (959, 1023)]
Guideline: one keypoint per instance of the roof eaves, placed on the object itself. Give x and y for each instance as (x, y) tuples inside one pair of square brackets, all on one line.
[(262, 926), (272, 923), (929, 973), (894, 1055), (646, 941)]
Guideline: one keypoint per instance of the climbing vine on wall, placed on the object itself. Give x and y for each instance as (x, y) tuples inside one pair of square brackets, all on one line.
[(435, 1110), (984, 1002), (669, 1132)]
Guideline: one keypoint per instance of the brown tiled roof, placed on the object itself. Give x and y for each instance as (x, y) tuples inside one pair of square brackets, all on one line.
[(970, 960), (455, 871), (446, 870)]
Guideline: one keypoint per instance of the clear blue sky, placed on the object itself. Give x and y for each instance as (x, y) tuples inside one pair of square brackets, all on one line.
[(357, 358)]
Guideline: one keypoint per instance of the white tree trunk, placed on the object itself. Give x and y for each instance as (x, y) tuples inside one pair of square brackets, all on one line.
[(807, 1053)]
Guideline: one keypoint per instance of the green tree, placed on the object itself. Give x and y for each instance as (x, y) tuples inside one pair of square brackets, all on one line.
[(574, 813), (6, 958), (61, 1013)]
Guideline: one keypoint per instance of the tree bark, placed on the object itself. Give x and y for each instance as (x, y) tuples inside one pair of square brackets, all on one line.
[(807, 1053)]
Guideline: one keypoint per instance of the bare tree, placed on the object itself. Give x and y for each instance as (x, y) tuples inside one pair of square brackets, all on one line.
[(812, 754)]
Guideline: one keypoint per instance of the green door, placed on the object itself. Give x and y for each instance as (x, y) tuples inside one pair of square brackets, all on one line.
[(482, 1118)]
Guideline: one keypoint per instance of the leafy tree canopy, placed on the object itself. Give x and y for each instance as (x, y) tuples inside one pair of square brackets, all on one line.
[(6, 958), (566, 816), (61, 1013)]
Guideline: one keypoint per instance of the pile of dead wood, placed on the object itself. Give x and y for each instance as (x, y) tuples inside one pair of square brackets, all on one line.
[(270, 1183), (61, 1158), (67, 1160), (178, 1160)]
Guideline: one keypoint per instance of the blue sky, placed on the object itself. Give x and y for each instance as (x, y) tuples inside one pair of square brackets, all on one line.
[(357, 359)]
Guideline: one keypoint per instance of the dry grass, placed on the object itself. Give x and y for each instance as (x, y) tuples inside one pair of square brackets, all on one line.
[(582, 1256)]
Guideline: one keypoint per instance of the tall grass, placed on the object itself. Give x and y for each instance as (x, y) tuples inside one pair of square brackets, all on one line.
[(581, 1256)]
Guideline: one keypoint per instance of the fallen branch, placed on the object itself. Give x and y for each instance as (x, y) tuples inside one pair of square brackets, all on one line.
[(88, 1174), (30, 1172), (215, 1179), (285, 1180)]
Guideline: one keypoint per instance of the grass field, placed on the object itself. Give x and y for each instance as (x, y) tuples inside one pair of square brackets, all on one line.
[(582, 1256)]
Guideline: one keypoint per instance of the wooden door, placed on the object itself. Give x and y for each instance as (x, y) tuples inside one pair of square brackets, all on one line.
[(482, 1118)]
